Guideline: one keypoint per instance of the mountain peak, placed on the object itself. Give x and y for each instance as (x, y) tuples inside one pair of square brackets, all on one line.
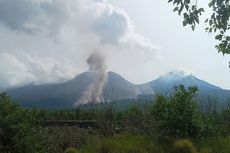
[(176, 75), (180, 72), (175, 78)]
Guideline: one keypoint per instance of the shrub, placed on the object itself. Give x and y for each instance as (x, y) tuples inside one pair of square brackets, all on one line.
[(178, 115), (184, 146), (71, 150), (19, 133)]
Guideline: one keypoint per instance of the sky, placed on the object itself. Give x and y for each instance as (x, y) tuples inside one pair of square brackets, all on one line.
[(49, 41)]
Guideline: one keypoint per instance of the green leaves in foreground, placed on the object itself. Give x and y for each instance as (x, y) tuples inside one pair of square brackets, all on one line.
[(191, 12), (217, 23)]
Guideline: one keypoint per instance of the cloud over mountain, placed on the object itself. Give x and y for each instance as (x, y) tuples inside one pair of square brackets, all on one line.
[(24, 69), (48, 30)]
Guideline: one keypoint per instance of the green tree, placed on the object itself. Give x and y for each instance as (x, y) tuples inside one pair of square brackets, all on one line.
[(178, 115), (159, 112), (184, 117), (19, 133), (133, 119), (217, 23)]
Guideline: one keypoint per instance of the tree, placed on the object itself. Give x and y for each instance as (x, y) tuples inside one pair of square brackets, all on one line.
[(184, 116), (19, 133), (159, 112), (133, 118), (217, 23), (179, 115)]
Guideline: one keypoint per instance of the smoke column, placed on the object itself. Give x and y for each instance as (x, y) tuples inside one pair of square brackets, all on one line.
[(97, 68)]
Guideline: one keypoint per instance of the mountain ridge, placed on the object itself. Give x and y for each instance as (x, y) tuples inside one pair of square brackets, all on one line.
[(63, 95), (176, 78)]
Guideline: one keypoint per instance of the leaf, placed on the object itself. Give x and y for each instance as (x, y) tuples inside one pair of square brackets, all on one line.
[(184, 23), (210, 22), (197, 20), (181, 8), (227, 38), (219, 37), (175, 9), (201, 10), (210, 30), (187, 7), (193, 27), (194, 7), (211, 3)]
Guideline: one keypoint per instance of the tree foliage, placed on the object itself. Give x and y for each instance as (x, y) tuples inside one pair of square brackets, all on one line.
[(179, 114), (19, 128), (217, 23)]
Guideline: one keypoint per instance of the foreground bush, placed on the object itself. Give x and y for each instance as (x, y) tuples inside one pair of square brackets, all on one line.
[(184, 146), (178, 116), (71, 150), (19, 130)]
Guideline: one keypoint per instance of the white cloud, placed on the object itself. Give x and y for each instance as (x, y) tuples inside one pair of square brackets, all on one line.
[(110, 25), (19, 68), (78, 27)]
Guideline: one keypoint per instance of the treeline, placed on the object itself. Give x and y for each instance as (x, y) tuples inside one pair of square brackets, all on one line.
[(178, 116)]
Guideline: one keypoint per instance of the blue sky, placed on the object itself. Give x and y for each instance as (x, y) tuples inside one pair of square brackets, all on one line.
[(48, 41)]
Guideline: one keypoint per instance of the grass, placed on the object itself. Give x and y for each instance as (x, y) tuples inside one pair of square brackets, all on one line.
[(139, 143), (125, 143), (216, 145)]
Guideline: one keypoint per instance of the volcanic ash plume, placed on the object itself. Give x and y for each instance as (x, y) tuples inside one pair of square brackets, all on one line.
[(97, 68)]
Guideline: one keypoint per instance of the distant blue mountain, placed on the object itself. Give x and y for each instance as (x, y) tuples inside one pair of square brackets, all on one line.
[(63, 95), (166, 82)]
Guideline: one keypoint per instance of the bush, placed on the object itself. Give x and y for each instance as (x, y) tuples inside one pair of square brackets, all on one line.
[(184, 146), (20, 134), (178, 115), (71, 150)]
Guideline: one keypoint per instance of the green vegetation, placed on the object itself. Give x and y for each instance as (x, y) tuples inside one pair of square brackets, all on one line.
[(184, 146), (125, 144), (174, 124), (179, 113), (216, 144), (71, 150)]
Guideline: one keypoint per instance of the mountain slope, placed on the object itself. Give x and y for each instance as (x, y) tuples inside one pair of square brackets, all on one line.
[(52, 95), (63, 95), (167, 82)]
